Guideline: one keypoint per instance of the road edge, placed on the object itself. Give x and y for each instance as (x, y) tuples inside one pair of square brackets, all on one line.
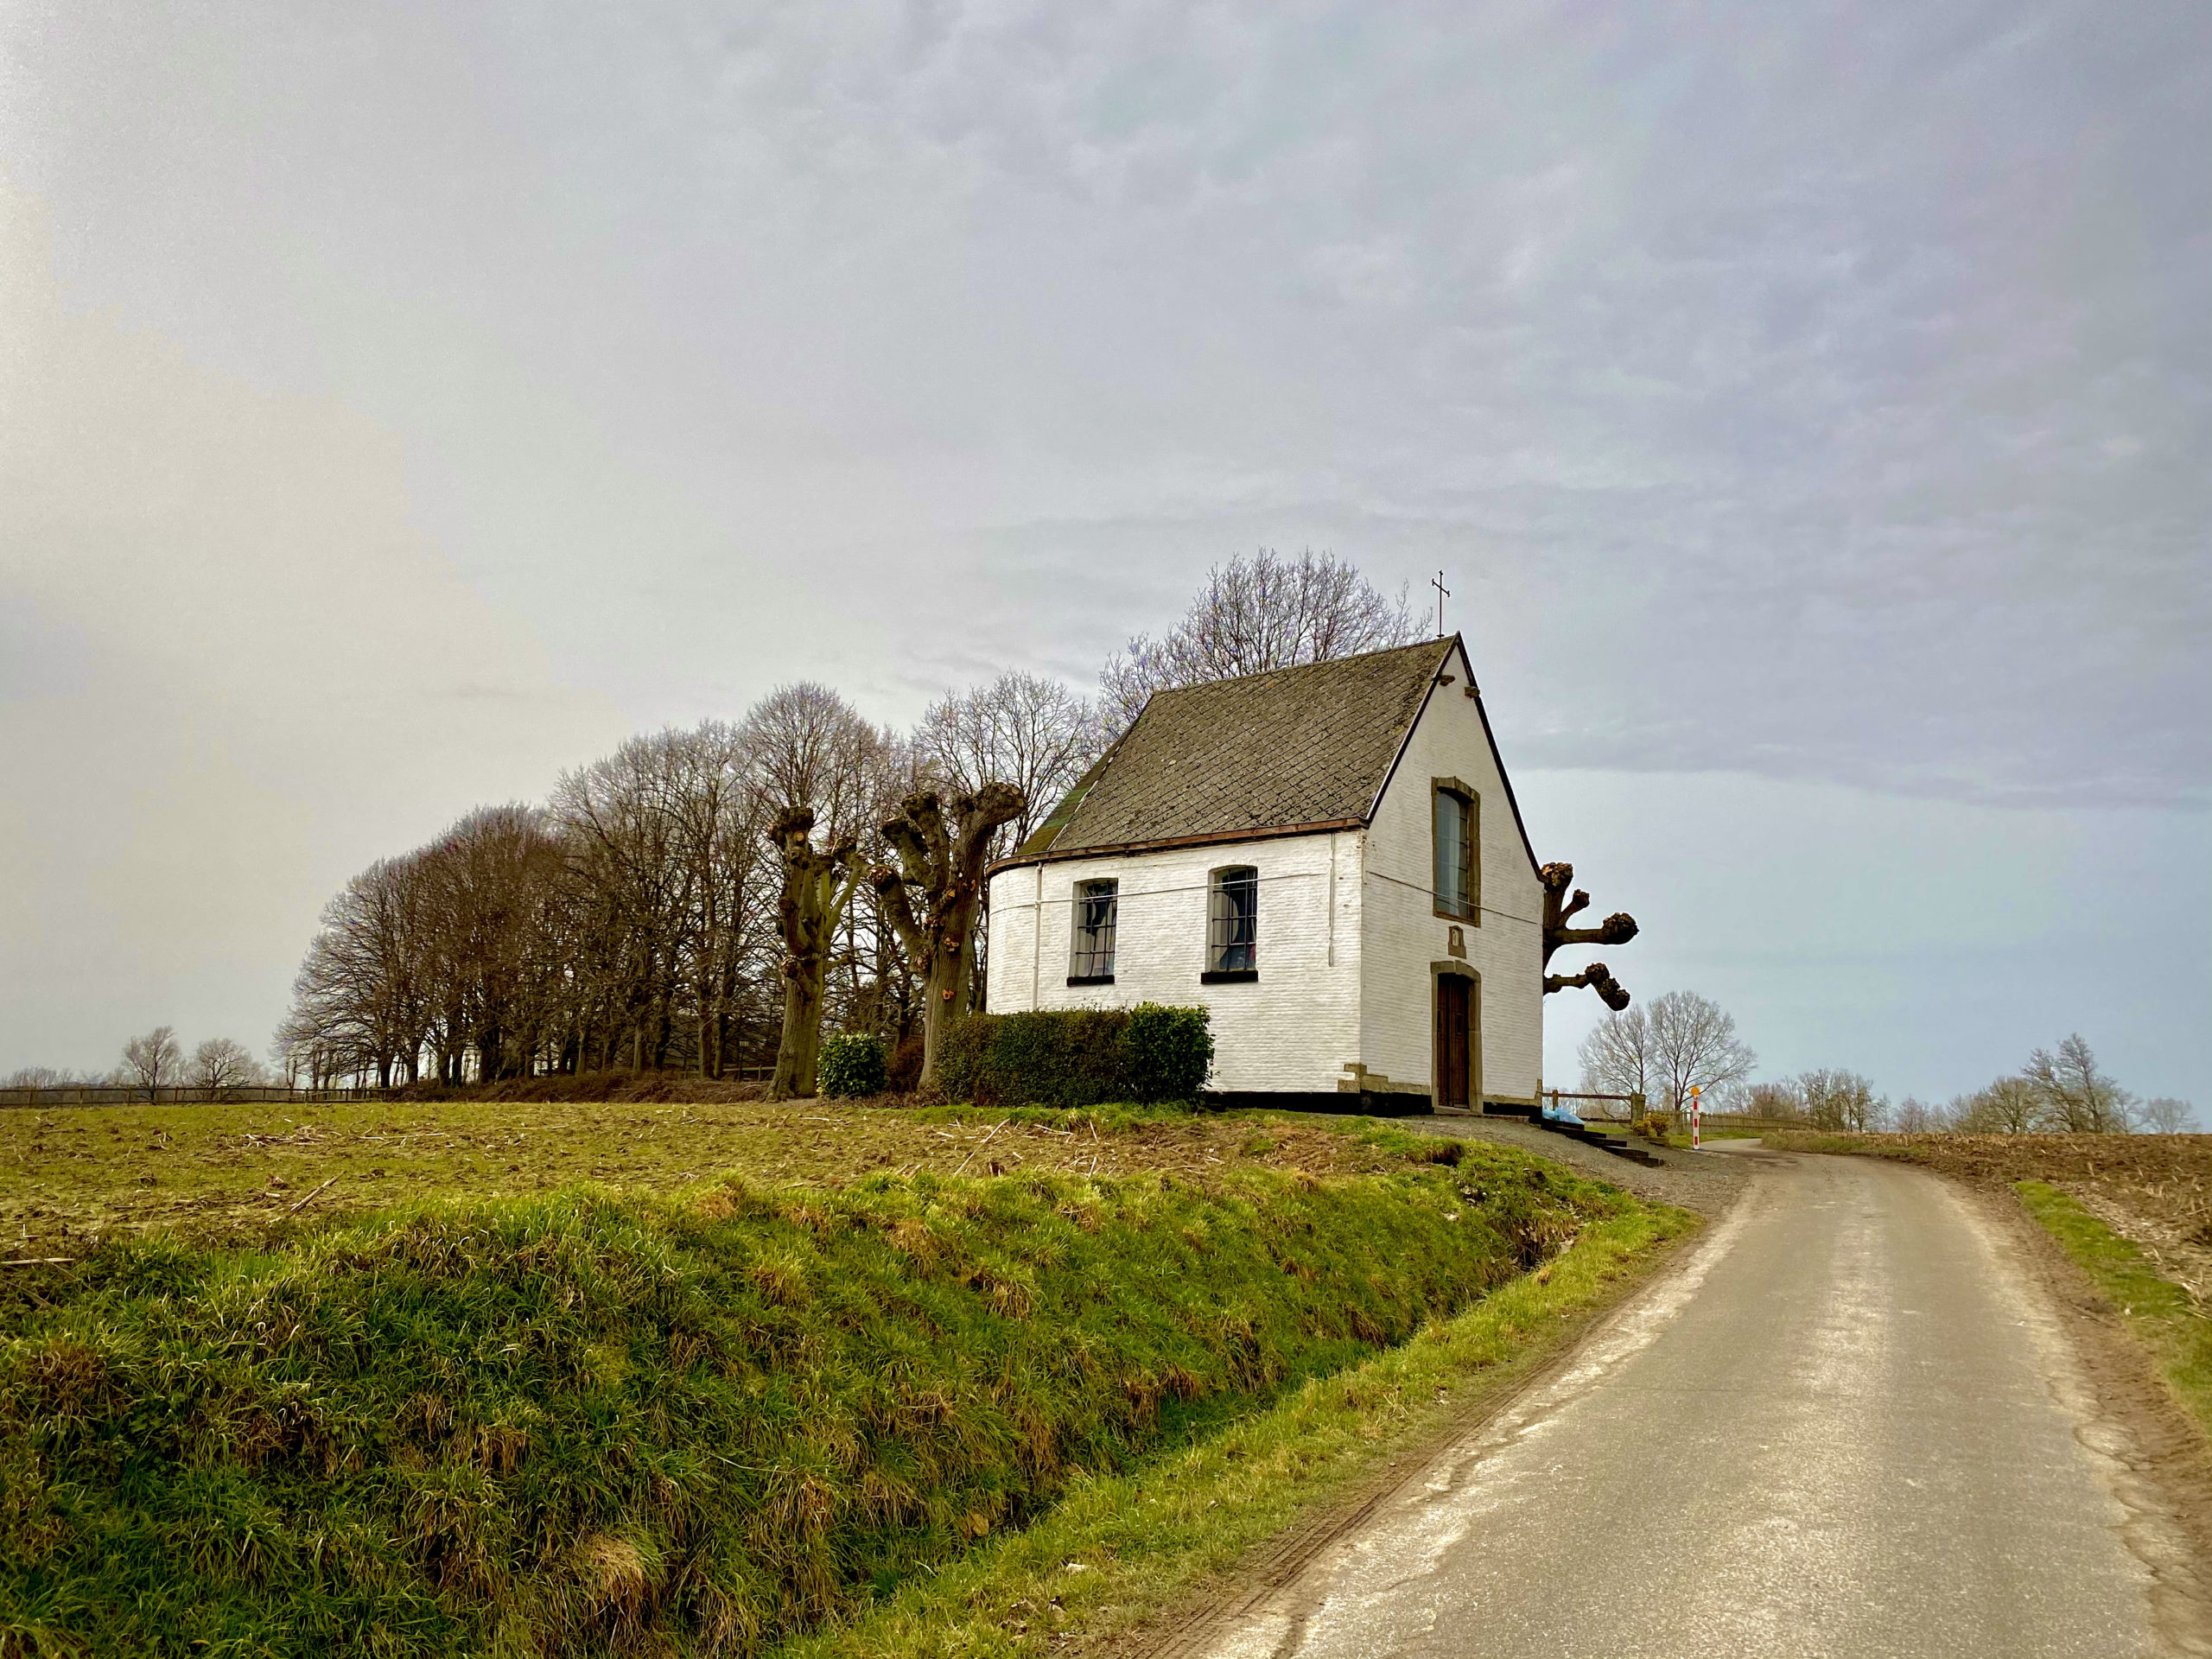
[(2139, 1424), (1217, 1600)]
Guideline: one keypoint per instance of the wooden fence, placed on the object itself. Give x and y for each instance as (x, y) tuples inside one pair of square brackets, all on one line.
[(112, 1094)]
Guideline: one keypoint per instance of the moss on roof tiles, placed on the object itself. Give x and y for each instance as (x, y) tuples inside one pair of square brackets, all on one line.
[(1295, 746)]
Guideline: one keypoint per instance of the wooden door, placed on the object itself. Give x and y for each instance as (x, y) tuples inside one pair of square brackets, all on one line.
[(1452, 1040)]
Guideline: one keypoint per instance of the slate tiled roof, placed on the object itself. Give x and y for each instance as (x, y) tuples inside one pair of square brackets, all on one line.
[(1298, 746)]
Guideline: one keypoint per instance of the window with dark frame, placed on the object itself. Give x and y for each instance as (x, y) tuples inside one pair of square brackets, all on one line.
[(1090, 961), (1233, 926), (1455, 854)]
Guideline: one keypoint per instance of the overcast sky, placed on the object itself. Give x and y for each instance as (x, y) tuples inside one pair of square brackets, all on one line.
[(1810, 406)]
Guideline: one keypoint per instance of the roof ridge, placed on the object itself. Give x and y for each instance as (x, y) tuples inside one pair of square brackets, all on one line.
[(1296, 668)]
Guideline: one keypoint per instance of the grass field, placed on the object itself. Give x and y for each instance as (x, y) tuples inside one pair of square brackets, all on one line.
[(241, 1172), (567, 1379)]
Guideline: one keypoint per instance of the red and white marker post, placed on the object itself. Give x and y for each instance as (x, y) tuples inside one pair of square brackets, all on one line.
[(1697, 1116)]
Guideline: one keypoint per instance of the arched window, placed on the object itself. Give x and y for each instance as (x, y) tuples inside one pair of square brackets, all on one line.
[(1233, 925), (1455, 852), (1090, 958)]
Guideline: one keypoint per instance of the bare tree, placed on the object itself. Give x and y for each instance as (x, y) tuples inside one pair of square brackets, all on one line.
[(42, 1077), (1022, 729), (1913, 1116), (1836, 1099), (1255, 614), (1620, 1056), (2166, 1116), (811, 749), (942, 864), (1616, 929), (153, 1061), (219, 1065), (2076, 1098), (2007, 1106), (1775, 1100), (817, 884), (1694, 1045)]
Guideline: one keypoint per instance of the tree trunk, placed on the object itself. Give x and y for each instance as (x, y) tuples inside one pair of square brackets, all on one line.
[(799, 1053), (817, 885), (944, 864)]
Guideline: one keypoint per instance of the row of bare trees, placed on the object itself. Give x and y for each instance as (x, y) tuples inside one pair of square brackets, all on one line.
[(1681, 1039), (701, 898), (676, 904), (155, 1064), (2059, 1090)]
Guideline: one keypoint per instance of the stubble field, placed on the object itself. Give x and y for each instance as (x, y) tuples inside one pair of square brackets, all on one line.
[(235, 1173)]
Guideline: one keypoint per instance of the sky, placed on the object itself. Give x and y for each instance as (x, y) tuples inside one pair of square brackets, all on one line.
[(1808, 407)]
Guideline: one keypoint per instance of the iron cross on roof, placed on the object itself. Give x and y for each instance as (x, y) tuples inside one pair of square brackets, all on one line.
[(1442, 594)]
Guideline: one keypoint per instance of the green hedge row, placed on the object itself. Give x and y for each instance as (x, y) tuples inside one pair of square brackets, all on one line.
[(1078, 1056), (854, 1063)]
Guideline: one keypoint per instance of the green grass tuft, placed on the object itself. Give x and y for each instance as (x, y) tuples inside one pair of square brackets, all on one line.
[(1122, 1549), (2162, 1315), (583, 1423)]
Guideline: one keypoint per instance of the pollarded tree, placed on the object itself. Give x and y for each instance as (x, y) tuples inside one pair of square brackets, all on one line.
[(817, 884), (941, 863), (1616, 929)]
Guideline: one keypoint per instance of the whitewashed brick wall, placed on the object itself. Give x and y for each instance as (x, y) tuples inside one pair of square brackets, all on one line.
[(1294, 1028), (1404, 934), (1327, 997)]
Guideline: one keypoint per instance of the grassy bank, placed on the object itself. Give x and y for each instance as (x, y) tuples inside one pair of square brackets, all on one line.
[(585, 1423), (2163, 1316), (1120, 1549)]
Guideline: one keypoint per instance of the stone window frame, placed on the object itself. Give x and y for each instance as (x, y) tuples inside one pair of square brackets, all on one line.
[(1218, 920), (1087, 963), (1471, 850)]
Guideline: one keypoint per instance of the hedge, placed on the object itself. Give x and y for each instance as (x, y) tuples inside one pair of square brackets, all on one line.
[(852, 1064), (1078, 1056)]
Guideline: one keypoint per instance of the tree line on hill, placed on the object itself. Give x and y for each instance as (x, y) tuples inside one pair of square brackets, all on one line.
[(702, 898), (158, 1063), (1662, 1048)]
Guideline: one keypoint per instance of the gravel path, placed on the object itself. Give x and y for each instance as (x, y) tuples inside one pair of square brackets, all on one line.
[(1708, 1182)]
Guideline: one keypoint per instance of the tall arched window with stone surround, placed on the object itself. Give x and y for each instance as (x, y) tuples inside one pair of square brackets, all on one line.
[(1233, 923)]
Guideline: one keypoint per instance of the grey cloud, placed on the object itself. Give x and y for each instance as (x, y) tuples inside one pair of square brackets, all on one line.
[(1816, 392)]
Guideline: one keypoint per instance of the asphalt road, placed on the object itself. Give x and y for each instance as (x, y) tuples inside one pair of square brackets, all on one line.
[(1849, 1424)]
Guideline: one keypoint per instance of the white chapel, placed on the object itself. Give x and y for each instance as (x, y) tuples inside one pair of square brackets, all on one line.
[(1330, 858)]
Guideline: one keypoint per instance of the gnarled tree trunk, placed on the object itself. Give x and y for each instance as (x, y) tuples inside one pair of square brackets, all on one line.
[(943, 864), (817, 885), (1616, 929)]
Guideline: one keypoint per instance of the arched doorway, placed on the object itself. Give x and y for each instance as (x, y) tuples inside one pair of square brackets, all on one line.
[(1458, 1062)]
